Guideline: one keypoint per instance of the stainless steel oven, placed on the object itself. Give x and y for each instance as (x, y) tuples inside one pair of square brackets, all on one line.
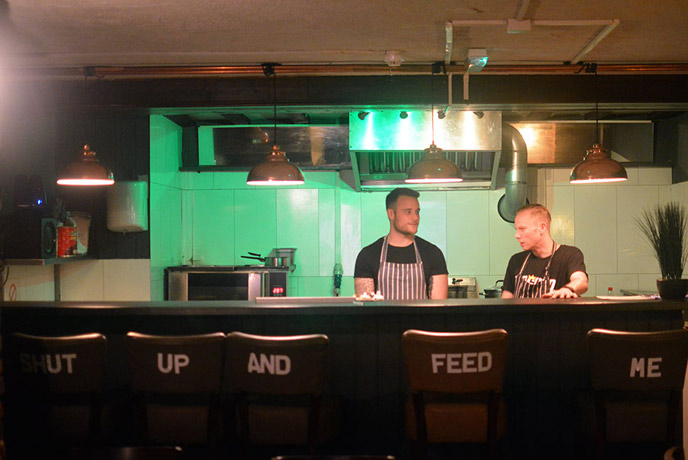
[(230, 282)]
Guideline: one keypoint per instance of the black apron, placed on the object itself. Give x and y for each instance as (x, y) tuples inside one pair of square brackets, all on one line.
[(533, 286)]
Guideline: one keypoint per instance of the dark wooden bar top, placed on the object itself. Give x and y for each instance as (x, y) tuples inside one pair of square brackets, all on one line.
[(546, 369), (347, 305)]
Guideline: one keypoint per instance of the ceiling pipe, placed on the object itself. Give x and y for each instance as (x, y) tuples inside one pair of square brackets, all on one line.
[(114, 72), (448, 42), (515, 180)]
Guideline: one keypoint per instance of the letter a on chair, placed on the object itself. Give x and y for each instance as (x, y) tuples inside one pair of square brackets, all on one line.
[(278, 383)]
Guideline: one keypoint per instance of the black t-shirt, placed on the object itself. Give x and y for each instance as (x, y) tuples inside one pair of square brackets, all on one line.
[(368, 260), (566, 260)]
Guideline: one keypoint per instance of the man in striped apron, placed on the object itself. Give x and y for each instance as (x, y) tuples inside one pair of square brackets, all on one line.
[(545, 268), (401, 265)]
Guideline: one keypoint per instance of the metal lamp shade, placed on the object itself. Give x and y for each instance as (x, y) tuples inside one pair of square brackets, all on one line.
[(86, 172), (275, 169), (597, 167), (433, 168)]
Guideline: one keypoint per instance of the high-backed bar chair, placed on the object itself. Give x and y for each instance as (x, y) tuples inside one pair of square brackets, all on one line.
[(637, 378), (278, 383), (54, 392), (177, 381), (456, 382)]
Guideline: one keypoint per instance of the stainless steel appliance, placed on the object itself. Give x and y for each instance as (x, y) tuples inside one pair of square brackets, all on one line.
[(226, 282), (462, 287)]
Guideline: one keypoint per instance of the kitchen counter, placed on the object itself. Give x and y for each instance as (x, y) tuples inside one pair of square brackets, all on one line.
[(546, 365)]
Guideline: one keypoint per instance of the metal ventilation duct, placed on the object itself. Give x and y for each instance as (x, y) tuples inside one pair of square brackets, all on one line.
[(385, 143)]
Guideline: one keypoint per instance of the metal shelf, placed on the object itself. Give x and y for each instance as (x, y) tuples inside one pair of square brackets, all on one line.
[(55, 262)]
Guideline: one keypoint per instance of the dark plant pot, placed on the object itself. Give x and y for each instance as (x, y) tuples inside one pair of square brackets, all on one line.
[(672, 289)]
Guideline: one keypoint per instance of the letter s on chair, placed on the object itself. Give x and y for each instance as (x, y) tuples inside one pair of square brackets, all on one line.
[(54, 392)]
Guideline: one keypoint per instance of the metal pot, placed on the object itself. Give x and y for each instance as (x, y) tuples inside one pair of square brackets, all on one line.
[(277, 261), (270, 261), (457, 292), (493, 292)]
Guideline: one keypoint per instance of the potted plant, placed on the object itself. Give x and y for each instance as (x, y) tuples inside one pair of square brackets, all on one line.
[(664, 226)]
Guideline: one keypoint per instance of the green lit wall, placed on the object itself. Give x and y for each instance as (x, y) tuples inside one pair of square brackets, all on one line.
[(213, 218)]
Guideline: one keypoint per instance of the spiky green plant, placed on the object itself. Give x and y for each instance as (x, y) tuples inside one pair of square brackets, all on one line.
[(664, 227)]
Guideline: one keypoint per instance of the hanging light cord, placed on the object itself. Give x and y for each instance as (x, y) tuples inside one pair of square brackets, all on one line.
[(274, 105), (432, 103)]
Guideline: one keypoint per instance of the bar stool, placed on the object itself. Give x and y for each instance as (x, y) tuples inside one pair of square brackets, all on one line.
[(129, 453), (278, 383), (177, 381), (636, 378), (456, 382), (54, 392)]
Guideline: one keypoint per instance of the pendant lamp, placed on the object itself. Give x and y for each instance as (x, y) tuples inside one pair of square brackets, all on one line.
[(433, 168), (275, 169), (87, 171), (597, 165)]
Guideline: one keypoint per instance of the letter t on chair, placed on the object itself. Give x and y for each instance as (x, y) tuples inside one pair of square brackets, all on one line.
[(54, 392), (456, 383)]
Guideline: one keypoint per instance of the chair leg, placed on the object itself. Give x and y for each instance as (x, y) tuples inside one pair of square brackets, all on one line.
[(313, 424), (492, 417), (600, 426), (421, 445), (672, 416), (141, 418), (244, 435), (213, 425)]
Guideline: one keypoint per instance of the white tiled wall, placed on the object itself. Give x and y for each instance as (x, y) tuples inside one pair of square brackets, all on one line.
[(88, 280), (215, 218), (325, 218)]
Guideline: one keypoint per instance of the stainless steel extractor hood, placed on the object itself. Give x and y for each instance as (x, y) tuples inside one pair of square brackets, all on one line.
[(385, 143)]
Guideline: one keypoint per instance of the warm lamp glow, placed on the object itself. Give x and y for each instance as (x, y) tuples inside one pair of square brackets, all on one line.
[(597, 167), (86, 172), (433, 168), (275, 169)]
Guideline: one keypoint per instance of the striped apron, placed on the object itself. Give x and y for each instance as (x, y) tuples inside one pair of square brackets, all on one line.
[(401, 281), (533, 286)]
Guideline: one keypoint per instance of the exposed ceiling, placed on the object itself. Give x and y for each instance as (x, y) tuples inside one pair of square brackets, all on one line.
[(77, 33), (352, 36)]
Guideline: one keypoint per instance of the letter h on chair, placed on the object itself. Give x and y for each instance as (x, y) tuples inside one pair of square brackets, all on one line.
[(278, 383), (456, 384), (635, 375), (54, 392), (177, 381)]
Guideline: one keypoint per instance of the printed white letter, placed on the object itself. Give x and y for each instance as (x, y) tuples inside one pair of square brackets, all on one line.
[(165, 369), (283, 365), (484, 361), (653, 367), (253, 365), (638, 366), (437, 361)]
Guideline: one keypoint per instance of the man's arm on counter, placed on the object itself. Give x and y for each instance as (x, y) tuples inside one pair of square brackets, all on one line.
[(577, 285), (438, 286), (507, 294), (362, 285)]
